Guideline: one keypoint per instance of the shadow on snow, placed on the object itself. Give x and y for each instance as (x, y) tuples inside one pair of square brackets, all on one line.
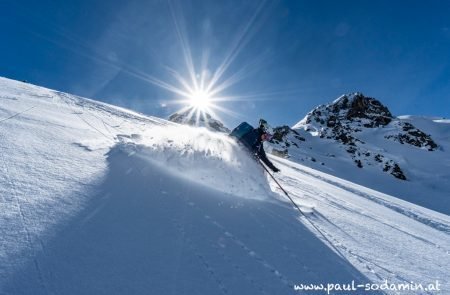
[(150, 232)]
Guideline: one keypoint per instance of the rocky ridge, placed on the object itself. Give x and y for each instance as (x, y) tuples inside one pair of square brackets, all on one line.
[(343, 121)]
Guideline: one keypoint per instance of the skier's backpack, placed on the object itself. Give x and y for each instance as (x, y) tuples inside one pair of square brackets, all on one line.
[(240, 131), (245, 133)]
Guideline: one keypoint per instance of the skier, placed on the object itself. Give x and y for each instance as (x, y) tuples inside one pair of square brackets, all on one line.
[(253, 139)]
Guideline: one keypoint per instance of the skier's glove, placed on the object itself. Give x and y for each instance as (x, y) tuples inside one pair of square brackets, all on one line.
[(275, 170)]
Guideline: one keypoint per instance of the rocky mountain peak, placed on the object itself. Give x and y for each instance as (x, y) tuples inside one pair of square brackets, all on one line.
[(357, 105), (347, 121), (354, 107)]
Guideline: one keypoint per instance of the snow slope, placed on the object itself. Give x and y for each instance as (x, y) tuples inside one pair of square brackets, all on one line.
[(391, 239), (427, 172), (96, 199)]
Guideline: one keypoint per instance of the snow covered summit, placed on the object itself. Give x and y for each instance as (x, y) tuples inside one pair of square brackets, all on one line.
[(347, 115), (357, 138), (354, 107)]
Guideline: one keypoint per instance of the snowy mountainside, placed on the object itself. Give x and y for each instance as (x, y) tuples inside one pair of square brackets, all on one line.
[(357, 138), (96, 199), (193, 117), (99, 199)]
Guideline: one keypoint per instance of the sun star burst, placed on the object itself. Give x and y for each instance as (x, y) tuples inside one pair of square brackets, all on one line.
[(200, 99), (201, 89)]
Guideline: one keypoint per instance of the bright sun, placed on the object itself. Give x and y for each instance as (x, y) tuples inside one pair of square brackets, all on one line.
[(200, 99)]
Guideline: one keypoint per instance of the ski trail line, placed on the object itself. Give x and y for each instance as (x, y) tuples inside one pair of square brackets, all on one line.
[(420, 217)]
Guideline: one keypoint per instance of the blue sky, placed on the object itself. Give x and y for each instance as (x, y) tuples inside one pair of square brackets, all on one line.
[(289, 56)]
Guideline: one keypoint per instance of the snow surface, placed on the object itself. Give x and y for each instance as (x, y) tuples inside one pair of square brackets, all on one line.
[(96, 199)]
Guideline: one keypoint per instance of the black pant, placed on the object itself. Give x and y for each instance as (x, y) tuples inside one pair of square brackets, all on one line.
[(261, 154)]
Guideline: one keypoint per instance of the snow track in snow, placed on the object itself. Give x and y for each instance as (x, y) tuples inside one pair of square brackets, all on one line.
[(388, 238)]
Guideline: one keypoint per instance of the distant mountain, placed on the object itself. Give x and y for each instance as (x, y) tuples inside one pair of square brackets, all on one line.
[(356, 133), (348, 114), (344, 120), (193, 117)]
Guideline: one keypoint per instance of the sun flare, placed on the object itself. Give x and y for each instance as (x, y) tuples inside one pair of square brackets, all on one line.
[(202, 89), (200, 99)]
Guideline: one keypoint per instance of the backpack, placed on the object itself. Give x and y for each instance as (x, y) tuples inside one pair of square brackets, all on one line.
[(246, 134), (240, 131)]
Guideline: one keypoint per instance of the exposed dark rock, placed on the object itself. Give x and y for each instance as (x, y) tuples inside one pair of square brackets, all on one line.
[(397, 172), (283, 138), (369, 108), (414, 137), (280, 132), (351, 150), (331, 121), (394, 169), (407, 126), (378, 158)]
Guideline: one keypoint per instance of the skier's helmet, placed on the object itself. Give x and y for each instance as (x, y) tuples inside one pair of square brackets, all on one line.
[(263, 124), (267, 130)]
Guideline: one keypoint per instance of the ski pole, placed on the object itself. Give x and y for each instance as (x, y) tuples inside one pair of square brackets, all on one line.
[(301, 212), (279, 185)]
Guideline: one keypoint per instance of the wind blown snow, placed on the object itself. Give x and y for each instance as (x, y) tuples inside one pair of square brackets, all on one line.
[(208, 158)]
